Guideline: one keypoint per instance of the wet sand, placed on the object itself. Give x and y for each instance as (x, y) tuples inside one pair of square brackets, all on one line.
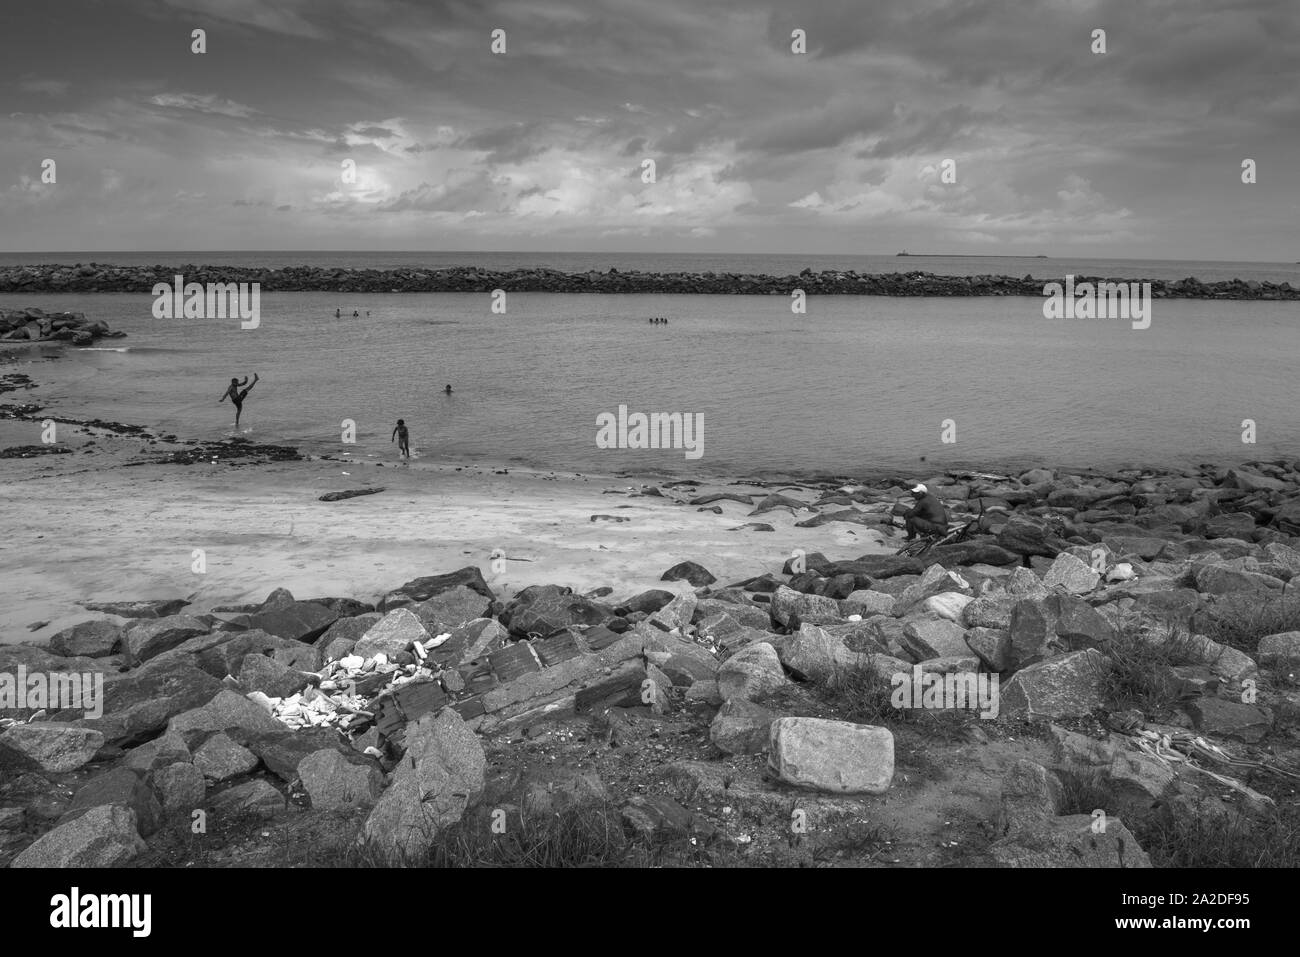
[(90, 526)]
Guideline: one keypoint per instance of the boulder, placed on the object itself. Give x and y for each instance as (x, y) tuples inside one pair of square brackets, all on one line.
[(161, 751), (741, 727), (341, 637), (224, 712), (1229, 719), (1070, 573), (119, 786), (294, 620), (1216, 579), (146, 639), (834, 756), (1066, 686), (1282, 649), (335, 782), (697, 575), (546, 609), (949, 605), (441, 773), (392, 635), (55, 746), (1031, 794), (647, 601), (677, 614), (750, 672), (260, 673), (103, 836), (790, 608), (97, 638), (447, 611), (815, 653), (221, 759), (989, 611), (223, 654), (256, 797), (925, 638), (283, 751), (1025, 536), (975, 552), (1070, 842), (1023, 583), (422, 589), (181, 788), (1042, 628), (1237, 525), (153, 608), (867, 602), (140, 703), (656, 819), (992, 646)]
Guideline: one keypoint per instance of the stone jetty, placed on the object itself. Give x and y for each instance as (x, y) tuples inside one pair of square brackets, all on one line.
[(97, 277)]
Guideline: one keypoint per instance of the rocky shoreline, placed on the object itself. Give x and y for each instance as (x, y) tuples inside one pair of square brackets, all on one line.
[(1140, 623), (96, 277), (36, 325)]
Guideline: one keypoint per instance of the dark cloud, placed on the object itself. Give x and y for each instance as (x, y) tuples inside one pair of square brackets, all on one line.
[(762, 145)]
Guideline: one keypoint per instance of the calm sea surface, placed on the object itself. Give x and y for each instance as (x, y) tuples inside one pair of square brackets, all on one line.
[(857, 385)]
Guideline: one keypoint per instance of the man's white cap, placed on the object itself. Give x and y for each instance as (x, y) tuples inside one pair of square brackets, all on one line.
[(919, 488)]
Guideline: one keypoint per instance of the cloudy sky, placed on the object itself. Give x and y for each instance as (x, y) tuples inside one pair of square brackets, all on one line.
[(1057, 150)]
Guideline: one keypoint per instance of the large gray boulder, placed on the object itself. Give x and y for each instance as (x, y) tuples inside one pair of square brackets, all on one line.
[(441, 773), (791, 608), (834, 756), (57, 747), (104, 836), (151, 637), (1071, 841), (741, 727), (447, 611), (226, 711), (337, 782), (815, 653), (392, 635), (1070, 685), (221, 759), (750, 672), (97, 638)]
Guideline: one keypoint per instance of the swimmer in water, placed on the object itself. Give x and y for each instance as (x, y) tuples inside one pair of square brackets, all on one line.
[(403, 438), (338, 313), (355, 314), (236, 395), (447, 390)]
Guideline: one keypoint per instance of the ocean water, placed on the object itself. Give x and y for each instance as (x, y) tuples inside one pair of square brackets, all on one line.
[(776, 265), (857, 386)]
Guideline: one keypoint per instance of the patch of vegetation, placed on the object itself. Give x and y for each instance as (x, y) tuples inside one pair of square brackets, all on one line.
[(1084, 792), (861, 694), (1207, 840), (1241, 623), (1137, 675)]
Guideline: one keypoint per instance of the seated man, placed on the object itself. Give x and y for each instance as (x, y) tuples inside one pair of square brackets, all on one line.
[(927, 516)]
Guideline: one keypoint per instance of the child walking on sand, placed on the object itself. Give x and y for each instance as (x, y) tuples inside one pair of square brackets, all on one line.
[(403, 438)]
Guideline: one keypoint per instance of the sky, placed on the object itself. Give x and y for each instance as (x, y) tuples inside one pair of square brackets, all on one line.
[(1055, 149)]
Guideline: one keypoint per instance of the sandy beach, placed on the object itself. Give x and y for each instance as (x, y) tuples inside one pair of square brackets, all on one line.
[(93, 526)]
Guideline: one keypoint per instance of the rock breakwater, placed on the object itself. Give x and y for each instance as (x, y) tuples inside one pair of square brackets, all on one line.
[(97, 277)]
